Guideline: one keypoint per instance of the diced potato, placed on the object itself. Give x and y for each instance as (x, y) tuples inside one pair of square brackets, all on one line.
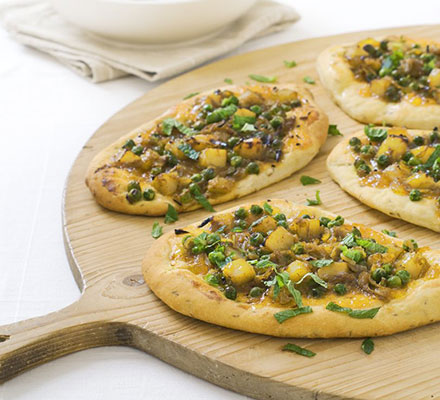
[(265, 225), (334, 269), (200, 142), (166, 183), (244, 112), (308, 228), (239, 271), (129, 157), (297, 269), (280, 239), (411, 263), (423, 152), (394, 146), (250, 98), (251, 148), (213, 158), (421, 181), (220, 185), (285, 95), (434, 78), (224, 219), (379, 86)]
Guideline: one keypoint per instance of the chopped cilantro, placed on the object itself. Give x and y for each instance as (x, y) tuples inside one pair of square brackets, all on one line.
[(298, 350), (308, 180), (334, 131), (316, 202), (262, 78), (156, 232), (171, 216)]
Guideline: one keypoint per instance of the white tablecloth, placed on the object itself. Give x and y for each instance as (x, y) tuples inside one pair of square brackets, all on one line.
[(46, 115)]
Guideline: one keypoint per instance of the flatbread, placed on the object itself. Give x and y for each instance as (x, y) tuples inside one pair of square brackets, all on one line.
[(391, 196), (365, 101), (282, 137), (189, 281)]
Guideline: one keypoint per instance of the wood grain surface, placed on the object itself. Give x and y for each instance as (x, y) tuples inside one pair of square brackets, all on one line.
[(117, 308)]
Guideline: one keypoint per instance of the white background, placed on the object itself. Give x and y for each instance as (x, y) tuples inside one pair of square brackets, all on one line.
[(46, 115)]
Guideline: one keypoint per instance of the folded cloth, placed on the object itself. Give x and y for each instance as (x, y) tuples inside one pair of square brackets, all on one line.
[(36, 24)]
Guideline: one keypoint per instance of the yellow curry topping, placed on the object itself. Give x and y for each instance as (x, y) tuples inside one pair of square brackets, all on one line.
[(259, 255), (209, 143), (398, 68), (391, 157)]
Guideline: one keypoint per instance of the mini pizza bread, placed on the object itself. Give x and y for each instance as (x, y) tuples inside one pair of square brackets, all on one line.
[(209, 149), (393, 170), (395, 81), (282, 269)]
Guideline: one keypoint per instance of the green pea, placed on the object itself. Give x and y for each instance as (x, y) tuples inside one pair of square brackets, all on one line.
[(241, 223), (236, 161), (133, 196), (156, 171), (276, 122), (208, 174), (286, 107), (317, 291), (256, 292), (363, 170), (404, 276), (383, 161), (149, 194), (298, 248), (419, 140), (253, 168), (241, 213), (340, 289), (196, 178), (256, 239), (415, 195), (185, 198), (414, 86), (133, 185), (256, 209), (277, 143), (280, 217), (434, 136), (256, 109), (137, 150), (354, 141), (296, 103), (232, 141), (208, 107), (368, 150), (198, 126), (230, 292), (407, 156), (388, 268), (394, 281), (129, 144), (378, 274), (267, 115), (283, 224)]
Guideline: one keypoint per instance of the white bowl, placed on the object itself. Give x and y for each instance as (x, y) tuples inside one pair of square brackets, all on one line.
[(152, 21)]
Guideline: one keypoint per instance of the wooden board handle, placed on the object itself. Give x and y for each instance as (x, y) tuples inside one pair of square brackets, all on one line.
[(32, 342)]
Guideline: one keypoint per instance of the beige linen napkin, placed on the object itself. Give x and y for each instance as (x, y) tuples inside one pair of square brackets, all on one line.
[(36, 24)]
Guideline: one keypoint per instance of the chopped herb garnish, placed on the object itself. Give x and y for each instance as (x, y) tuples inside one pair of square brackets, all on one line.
[(268, 208), (171, 216), (315, 277), (353, 254), (186, 149), (308, 180), (188, 96), (367, 346), (293, 312), (389, 233), (376, 134), (228, 81), (195, 191), (360, 314), (316, 202), (309, 80), (156, 231), (221, 114), (298, 350), (169, 123), (248, 128), (321, 263), (262, 78), (290, 64), (334, 131), (371, 246)]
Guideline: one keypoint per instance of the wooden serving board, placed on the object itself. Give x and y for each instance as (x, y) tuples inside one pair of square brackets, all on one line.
[(117, 308)]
